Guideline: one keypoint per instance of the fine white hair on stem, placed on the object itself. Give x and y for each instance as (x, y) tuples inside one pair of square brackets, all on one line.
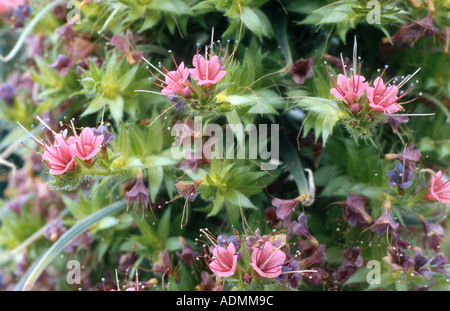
[(408, 77), (153, 66), (312, 189)]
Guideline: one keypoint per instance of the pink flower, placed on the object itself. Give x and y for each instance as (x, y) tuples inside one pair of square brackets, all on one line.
[(176, 81), (60, 157), (349, 88), (267, 261), (207, 72), (8, 5), (224, 260), (87, 143), (382, 98), (439, 189)]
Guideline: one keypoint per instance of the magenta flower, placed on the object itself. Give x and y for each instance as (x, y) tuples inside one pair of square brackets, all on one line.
[(60, 157), (87, 143), (7, 6), (349, 89), (207, 71), (224, 260), (409, 156), (176, 80), (268, 261), (439, 189), (383, 98)]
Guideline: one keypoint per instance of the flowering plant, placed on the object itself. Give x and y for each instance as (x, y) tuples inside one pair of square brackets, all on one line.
[(129, 127)]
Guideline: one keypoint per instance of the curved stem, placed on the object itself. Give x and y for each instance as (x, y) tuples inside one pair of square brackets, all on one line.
[(28, 29)]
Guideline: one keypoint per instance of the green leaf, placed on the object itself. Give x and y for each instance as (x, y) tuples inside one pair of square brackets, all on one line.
[(290, 157), (164, 226)]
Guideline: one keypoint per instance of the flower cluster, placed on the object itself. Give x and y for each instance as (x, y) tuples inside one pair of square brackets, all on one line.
[(60, 152), (195, 86), (364, 105), (253, 258)]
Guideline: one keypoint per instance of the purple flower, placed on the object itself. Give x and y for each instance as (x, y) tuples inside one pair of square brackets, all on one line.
[(107, 136), (300, 228), (67, 32), (353, 261), (188, 190), (55, 230), (207, 283), (62, 65), (35, 46), (163, 264), (395, 121), (439, 264), (354, 211), (409, 34), (285, 208), (138, 193), (408, 156), (433, 236), (22, 12), (126, 261), (400, 177), (302, 69), (288, 273), (7, 92), (397, 259), (16, 204), (191, 162), (310, 255), (179, 103), (385, 222), (223, 240), (421, 265), (271, 217), (188, 255)]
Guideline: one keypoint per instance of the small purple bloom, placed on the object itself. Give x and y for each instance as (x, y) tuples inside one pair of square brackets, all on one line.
[(385, 222), (433, 234), (395, 121), (7, 92), (188, 255), (62, 65), (421, 265), (439, 264), (400, 177), (300, 228), (409, 156), (138, 193), (398, 259), (353, 261), (163, 264), (302, 69), (55, 230), (354, 211), (285, 208), (35, 46), (67, 32), (179, 103)]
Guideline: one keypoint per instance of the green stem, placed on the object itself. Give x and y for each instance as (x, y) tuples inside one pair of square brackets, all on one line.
[(28, 29), (33, 273)]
